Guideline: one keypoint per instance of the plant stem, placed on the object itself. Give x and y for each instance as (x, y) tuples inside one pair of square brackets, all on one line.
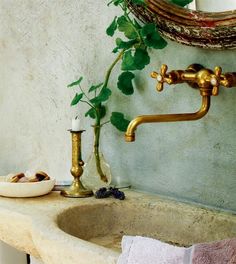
[(107, 122), (87, 103), (97, 130), (83, 92), (97, 125), (108, 74)]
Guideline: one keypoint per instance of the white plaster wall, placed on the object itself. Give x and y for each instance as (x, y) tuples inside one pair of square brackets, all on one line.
[(44, 45), (215, 5)]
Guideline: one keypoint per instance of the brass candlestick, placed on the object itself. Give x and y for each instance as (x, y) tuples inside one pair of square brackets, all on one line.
[(76, 190)]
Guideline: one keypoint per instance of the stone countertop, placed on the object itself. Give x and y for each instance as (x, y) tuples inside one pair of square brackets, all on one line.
[(21, 217), (30, 225), (25, 221), (18, 215)]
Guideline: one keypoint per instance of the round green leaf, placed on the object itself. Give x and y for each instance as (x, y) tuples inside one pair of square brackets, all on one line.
[(117, 119), (125, 83)]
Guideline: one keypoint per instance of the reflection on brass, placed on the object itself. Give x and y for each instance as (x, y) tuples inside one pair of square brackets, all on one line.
[(206, 80), (76, 190)]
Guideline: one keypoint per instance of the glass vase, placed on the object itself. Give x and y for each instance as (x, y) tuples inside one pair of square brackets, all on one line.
[(97, 172)]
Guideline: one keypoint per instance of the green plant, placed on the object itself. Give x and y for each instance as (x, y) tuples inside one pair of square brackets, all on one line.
[(133, 53)]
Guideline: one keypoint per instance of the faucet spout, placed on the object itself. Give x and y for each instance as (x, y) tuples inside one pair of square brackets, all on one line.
[(207, 81), (130, 133)]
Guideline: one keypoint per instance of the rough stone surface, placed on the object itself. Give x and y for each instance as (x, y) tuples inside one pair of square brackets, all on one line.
[(83, 231), (44, 45)]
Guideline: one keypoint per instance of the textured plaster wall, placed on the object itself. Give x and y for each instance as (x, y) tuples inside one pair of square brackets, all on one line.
[(44, 45), (215, 6)]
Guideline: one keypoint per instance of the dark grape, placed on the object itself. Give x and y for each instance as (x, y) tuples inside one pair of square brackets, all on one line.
[(103, 189), (104, 193), (118, 194)]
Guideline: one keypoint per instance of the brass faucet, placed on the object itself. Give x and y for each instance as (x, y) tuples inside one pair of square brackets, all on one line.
[(206, 80)]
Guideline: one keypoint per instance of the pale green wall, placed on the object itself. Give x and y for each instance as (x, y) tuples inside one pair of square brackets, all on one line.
[(189, 160), (44, 45)]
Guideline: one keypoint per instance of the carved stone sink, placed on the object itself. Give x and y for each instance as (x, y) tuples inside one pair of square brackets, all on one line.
[(105, 223), (88, 231)]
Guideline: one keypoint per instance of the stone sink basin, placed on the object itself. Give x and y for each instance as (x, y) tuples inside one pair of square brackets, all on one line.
[(89, 231), (103, 223)]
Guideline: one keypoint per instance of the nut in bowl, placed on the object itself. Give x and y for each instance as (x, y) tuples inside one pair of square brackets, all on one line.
[(26, 184)]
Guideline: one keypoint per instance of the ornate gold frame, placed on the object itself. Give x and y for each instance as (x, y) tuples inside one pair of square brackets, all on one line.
[(215, 30)]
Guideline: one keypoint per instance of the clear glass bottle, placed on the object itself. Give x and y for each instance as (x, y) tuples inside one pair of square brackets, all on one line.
[(97, 172), (95, 177)]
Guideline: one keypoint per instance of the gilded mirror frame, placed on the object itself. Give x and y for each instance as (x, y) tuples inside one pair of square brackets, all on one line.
[(216, 30)]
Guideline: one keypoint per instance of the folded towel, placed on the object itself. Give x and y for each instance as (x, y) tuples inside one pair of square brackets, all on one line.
[(142, 250), (222, 252)]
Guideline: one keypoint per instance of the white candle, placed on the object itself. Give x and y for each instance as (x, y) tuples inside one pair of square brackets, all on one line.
[(75, 124)]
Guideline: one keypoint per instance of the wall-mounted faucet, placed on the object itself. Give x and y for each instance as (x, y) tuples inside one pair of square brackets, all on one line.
[(206, 80)]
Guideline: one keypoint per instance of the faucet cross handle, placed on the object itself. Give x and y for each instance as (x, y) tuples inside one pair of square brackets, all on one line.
[(215, 80), (161, 77)]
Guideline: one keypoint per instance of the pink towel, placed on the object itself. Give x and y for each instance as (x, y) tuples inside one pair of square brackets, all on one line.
[(222, 252)]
